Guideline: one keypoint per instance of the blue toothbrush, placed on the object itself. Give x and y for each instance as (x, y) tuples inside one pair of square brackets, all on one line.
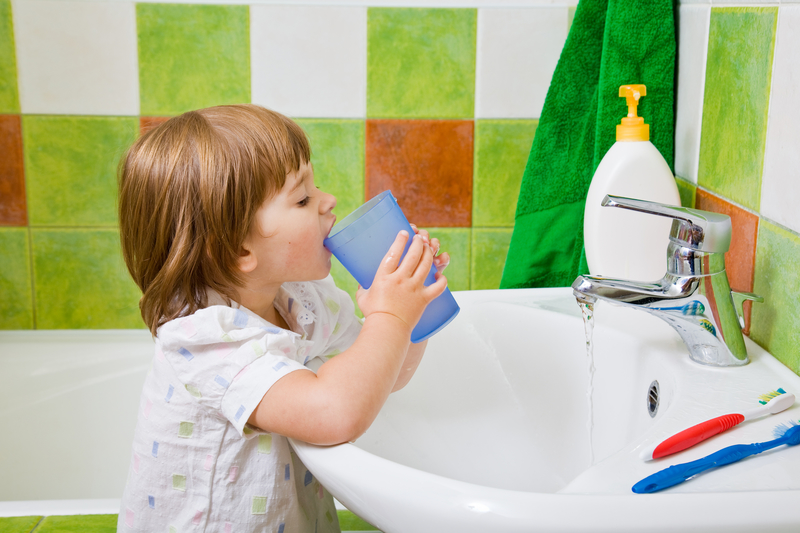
[(788, 434)]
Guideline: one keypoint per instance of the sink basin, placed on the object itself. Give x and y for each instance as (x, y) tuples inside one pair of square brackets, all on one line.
[(508, 425)]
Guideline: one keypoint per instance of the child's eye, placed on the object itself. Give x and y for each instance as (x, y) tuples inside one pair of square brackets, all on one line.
[(304, 201)]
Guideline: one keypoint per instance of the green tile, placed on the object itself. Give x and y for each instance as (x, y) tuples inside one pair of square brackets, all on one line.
[(192, 56), (489, 249), (18, 524), (688, 192), (337, 153), (501, 153), (350, 522), (81, 281), (9, 97), (71, 165), (736, 102), (456, 242), (16, 296), (775, 324), (421, 62), (95, 523)]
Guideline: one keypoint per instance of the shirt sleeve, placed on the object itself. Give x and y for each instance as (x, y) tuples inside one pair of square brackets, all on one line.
[(227, 360)]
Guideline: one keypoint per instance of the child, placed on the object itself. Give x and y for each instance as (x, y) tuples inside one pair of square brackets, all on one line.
[(222, 230)]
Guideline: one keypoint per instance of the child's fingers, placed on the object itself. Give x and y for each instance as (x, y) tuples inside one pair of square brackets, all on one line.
[(424, 264), (392, 258), (436, 288), (412, 258)]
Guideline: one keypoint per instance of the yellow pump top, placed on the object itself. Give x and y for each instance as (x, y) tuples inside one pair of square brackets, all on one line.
[(632, 127)]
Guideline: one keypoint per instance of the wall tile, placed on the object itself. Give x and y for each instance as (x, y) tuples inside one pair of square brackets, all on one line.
[(16, 303), (427, 164), (693, 44), (489, 250), (81, 281), (148, 123), (337, 155), (688, 192), (736, 102), (780, 193), (458, 243), (517, 52), (71, 165), (776, 322), (77, 57), (501, 153), (192, 56), (322, 73), (421, 63), (9, 97), (740, 259), (13, 207)]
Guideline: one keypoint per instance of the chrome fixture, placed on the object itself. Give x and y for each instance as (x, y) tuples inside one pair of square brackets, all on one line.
[(694, 296)]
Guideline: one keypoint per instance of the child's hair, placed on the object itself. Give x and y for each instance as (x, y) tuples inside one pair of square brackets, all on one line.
[(188, 194)]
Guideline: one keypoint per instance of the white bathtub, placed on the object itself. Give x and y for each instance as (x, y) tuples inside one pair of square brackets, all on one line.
[(68, 404)]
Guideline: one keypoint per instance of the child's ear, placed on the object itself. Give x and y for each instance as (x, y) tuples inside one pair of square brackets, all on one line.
[(247, 260)]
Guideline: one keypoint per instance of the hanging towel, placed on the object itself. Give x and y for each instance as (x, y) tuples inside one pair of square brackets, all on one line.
[(610, 43)]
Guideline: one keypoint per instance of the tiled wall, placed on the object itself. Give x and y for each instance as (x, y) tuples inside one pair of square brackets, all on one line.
[(737, 149), (438, 105)]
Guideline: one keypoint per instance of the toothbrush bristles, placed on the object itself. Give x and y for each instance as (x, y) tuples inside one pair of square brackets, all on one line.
[(781, 429), (764, 398)]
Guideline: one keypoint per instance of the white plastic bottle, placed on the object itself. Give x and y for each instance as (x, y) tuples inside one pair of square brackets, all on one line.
[(621, 243)]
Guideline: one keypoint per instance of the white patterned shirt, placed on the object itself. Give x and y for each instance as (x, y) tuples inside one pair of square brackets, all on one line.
[(197, 465)]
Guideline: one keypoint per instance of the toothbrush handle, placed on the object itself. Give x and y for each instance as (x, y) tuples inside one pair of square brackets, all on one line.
[(679, 473), (697, 433)]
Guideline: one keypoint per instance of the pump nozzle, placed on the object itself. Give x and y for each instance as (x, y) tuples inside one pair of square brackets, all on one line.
[(632, 127)]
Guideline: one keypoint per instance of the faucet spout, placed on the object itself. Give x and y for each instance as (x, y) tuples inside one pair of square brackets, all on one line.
[(694, 296)]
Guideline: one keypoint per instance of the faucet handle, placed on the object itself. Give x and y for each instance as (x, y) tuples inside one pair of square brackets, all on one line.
[(700, 230)]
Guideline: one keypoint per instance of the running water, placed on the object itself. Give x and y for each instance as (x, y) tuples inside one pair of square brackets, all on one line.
[(587, 310)]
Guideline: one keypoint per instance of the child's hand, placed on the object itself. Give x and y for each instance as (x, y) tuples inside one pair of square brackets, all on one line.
[(439, 260), (399, 289)]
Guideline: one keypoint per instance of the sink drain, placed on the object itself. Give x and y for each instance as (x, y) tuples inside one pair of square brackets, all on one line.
[(652, 399)]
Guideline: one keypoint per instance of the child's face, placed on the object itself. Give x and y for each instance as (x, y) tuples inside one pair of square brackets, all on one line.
[(286, 240)]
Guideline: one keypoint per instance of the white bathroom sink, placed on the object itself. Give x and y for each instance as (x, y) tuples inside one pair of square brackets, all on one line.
[(502, 429)]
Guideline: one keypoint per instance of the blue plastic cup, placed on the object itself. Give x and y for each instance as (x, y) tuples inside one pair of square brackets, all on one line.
[(361, 241)]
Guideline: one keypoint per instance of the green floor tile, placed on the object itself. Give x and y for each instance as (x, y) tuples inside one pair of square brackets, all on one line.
[(736, 102), (337, 154), (501, 153), (16, 296), (9, 97), (489, 250), (456, 242), (81, 281), (18, 524), (775, 323), (98, 523), (192, 56), (350, 522), (70, 167), (421, 63)]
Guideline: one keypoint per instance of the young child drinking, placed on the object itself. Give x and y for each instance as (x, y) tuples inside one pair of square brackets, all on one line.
[(222, 230)]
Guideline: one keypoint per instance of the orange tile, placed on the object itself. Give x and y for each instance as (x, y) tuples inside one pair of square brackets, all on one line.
[(740, 259), (148, 123), (427, 164), (13, 207)]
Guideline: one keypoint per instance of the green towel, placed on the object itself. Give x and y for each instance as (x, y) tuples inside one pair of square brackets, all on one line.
[(611, 43)]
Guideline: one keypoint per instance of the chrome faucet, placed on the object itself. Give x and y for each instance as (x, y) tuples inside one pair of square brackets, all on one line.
[(694, 296)]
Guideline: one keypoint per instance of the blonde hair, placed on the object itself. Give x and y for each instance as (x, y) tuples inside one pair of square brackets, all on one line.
[(188, 194)]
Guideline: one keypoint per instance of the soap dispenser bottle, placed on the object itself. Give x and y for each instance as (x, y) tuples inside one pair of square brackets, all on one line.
[(625, 244)]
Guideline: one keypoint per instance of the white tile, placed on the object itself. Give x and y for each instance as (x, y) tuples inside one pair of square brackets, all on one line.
[(77, 57), (309, 61), (780, 183), (518, 50), (692, 52)]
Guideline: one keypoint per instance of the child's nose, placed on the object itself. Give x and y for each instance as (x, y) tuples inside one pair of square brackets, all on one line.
[(328, 203)]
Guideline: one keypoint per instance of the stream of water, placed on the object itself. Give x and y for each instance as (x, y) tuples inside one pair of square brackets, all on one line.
[(587, 310)]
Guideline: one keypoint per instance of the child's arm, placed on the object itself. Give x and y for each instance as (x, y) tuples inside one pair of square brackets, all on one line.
[(340, 402)]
